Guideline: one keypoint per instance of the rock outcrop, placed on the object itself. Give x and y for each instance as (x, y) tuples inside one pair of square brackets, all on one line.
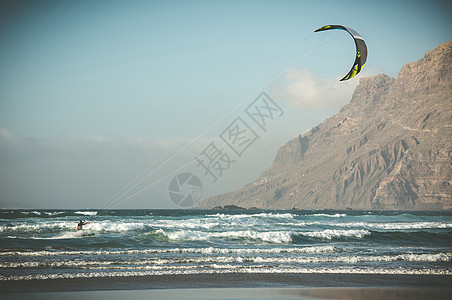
[(389, 148)]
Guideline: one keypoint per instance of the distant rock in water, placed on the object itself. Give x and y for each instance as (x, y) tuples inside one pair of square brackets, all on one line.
[(389, 148), (232, 207)]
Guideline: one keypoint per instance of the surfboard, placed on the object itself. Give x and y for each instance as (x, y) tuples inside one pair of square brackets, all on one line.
[(88, 234)]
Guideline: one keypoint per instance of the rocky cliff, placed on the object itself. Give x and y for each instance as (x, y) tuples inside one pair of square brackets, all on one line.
[(389, 148)]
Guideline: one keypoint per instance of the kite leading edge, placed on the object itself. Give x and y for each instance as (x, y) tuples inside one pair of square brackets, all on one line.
[(361, 49)]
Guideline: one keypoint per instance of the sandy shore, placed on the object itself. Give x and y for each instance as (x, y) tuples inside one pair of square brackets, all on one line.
[(242, 294), (236, 286)]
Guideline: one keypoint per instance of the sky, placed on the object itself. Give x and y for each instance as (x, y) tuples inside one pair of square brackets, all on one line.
[(104, 103)]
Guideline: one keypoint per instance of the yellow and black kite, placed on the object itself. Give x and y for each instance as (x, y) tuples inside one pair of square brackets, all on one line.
[(361, 49)]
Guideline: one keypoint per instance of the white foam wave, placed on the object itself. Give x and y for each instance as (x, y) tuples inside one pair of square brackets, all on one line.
[(208, 261), (260, 215), (409, 257), (101, 226), (38, 227), (224, 221), (70, 232), (203, 223), (108, 226), (86, 213), (407, 226), (396, 226), (267, 236), (207, 250), (53, 213), (37, 213), (329, 216), (251, 219), (221, 220), (332, 233), (231, 269)]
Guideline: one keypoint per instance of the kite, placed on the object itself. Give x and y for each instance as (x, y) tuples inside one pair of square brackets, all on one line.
[(361, 49)]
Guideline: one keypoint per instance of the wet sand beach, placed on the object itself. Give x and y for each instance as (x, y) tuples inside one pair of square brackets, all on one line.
[(236, 286), (245, 294)]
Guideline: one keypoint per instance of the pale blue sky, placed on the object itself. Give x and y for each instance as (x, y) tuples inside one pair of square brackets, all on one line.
[(152, 72)]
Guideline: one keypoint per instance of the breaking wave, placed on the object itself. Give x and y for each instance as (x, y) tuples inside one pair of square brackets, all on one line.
[(329, 216), (397, 226), (159, 261), (104, 226), (206, 250), (329, 234), (277, 237), (86, 213), (188, 270)]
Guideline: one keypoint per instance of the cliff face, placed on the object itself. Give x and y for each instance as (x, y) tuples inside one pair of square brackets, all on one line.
[(389, 148)]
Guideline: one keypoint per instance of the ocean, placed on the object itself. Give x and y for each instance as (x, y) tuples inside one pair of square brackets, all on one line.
[(44, 244)]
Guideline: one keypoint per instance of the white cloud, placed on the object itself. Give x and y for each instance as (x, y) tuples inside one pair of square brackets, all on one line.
[(305, 90)]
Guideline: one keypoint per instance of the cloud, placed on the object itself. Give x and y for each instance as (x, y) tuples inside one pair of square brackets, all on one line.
[(306, 90)]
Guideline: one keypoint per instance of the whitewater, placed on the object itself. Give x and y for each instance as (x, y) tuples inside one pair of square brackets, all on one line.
[(44, 244)]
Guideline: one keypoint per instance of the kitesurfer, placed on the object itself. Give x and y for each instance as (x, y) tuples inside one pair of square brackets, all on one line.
[(80, 225)]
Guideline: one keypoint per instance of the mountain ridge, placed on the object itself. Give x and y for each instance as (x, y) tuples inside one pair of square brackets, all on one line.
[(389, 148)]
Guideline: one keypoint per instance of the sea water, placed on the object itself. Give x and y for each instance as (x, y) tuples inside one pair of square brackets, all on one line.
[(44, 244)]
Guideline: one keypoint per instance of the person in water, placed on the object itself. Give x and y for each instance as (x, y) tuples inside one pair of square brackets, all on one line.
[(80, 225)]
